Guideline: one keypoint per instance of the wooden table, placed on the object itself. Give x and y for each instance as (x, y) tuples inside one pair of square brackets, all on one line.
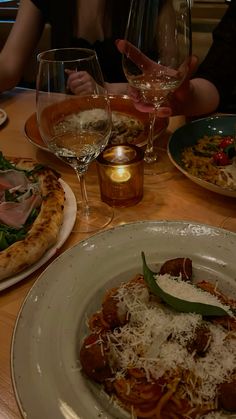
[(169, 196)]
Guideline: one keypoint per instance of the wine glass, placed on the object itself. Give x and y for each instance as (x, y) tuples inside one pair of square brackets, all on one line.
[(75, 127), (156, 56)]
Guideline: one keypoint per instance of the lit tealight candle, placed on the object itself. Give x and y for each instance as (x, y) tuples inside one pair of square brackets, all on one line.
[(120, 172)]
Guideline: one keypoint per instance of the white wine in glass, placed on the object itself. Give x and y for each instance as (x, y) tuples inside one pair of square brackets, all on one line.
[(156, 57), (75, 127)]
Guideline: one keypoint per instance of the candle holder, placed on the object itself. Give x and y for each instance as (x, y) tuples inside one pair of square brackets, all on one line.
[(120, 173)]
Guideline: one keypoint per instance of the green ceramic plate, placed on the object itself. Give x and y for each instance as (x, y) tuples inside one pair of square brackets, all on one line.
[(188, 135)]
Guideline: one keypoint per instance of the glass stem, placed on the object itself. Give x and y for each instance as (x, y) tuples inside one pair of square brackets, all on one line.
[(83, 190), (150, 155)]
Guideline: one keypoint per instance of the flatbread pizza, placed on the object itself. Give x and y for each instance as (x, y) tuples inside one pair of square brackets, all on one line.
[(31, 213)]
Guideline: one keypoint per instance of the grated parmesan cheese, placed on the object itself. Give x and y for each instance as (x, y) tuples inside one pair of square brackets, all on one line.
[(155, 340), (187, 291), (227, 175)]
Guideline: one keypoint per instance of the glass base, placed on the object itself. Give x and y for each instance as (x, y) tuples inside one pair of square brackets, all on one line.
[(161, 165), (93, 218), (154, 168)]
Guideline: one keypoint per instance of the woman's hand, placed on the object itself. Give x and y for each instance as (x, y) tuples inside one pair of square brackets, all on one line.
[(145, 64), (81, 83), (177, 102)]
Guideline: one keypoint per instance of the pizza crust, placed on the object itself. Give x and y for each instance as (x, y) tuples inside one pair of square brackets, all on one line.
[(44, 231)]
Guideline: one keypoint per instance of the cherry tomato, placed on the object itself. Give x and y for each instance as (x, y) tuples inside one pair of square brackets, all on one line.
[(226, 141), (221, 159)]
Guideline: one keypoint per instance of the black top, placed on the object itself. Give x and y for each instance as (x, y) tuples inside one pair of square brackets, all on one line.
[(60, 15), (219, 66)]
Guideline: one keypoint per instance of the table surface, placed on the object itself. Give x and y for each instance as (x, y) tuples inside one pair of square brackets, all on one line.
[(169, 196)]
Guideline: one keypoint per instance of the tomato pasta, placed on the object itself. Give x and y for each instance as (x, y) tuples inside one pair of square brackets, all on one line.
[(158, 363)]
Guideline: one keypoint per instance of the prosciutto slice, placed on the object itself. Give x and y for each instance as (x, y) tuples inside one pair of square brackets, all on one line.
[(11, 179), (15, 214)]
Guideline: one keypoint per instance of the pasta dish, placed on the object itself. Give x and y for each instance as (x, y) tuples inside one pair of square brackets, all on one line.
[(212, 159), (155, 362), (125, 128)]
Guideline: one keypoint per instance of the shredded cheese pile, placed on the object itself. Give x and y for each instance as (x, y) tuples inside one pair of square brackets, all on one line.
[(227, 175), (155, 340)]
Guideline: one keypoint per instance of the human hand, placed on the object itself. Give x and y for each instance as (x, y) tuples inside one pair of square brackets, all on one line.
[(80, 82), (140, 59), (175, 103)]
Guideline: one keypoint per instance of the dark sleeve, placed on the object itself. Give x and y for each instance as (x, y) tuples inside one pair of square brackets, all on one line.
[(219, 66), (42, 5), (60, 14)]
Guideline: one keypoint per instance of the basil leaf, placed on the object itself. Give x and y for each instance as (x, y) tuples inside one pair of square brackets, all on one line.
[(177, 303)]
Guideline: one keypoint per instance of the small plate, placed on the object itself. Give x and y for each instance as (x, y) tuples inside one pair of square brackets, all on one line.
[(70, 210), (122, 104), (52, 321), (3, 116), (189, 134)]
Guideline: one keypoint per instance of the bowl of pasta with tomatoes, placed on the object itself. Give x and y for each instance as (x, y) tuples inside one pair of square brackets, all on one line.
[(204, 151)]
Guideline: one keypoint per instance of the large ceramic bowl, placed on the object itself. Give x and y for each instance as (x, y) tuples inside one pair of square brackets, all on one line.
[(52, 321), (190, 133)]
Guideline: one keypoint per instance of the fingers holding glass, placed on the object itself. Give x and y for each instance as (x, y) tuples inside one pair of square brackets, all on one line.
[(81, 82), (156, 52)]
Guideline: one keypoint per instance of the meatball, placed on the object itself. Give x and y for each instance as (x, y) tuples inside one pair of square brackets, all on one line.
[(227, 396), (176, 267), (111, 312), (93, 358), (201, 340), (114, 309)]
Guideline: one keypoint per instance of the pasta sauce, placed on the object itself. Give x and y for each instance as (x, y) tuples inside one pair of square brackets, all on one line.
[(158, 363)]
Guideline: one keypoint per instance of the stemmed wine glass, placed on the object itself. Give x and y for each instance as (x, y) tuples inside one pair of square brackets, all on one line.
[(156, 56), (75, 127)]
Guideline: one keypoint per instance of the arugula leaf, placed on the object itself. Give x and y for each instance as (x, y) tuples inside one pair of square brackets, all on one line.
[(36, 169), (9, 235), (177, 303), (5, 164), (9, 197), (3, 242), (33, 215)]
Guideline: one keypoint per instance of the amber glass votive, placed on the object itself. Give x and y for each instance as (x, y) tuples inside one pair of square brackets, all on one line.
[(120, 173)]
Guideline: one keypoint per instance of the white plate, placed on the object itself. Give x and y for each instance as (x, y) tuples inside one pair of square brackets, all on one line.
[(51, 324), (3, 116), (66, 228)]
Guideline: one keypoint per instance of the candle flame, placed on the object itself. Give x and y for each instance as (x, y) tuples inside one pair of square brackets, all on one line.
[(120, 174)]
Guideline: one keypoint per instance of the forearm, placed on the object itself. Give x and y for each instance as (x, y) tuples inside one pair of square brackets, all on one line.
[(20, 44), (8, 80), (203, 98)]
